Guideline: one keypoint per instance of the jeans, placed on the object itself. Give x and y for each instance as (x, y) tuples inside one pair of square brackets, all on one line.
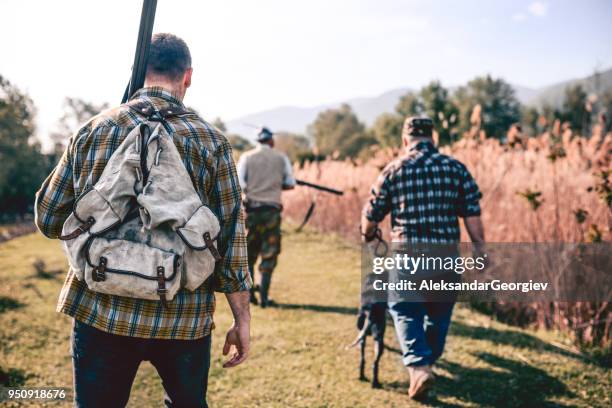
[(105, 366), (421, 329)]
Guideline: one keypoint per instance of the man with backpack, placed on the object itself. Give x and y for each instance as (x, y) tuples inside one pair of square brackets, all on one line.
[(147, 202)]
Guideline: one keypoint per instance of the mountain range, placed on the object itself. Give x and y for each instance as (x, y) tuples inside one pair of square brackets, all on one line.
[(296, 119)]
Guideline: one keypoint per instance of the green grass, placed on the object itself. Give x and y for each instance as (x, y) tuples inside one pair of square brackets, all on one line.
[(298, 357)]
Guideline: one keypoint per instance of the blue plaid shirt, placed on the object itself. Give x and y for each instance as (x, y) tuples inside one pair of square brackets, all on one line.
[(425, 192)]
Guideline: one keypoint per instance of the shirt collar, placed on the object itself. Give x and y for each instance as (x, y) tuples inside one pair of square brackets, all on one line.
[(157, 92), (423, 146), (263, 146)]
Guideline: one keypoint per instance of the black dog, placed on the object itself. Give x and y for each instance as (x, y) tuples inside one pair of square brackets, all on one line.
[(376, 316)]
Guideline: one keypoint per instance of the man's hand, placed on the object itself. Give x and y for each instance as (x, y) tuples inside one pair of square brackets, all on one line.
[(367, 229), (237, 341)]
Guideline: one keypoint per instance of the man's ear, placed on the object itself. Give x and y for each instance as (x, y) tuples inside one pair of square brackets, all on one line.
[(187, 78)]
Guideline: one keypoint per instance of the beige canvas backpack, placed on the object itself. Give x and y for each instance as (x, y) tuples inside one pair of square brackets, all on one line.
[(142, 231)]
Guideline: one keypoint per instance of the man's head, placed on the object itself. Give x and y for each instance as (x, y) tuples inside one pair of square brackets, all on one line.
[(169, 64), (415, 129), (265, 136)]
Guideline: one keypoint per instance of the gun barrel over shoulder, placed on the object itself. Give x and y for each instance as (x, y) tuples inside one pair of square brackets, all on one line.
[(319, 187)]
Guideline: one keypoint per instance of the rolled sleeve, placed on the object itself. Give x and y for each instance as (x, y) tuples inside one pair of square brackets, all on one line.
[(232, 273), (469, 196), (379, 204)]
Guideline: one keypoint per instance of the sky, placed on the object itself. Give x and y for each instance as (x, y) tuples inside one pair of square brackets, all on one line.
[(250, 56)]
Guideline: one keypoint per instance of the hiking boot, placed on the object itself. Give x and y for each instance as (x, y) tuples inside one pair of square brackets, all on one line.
[(253, 298), (421, 380), (264, 287)]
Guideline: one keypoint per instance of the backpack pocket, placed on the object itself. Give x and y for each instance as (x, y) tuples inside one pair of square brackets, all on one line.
[(92, 215), (132, 269), (201, 237)]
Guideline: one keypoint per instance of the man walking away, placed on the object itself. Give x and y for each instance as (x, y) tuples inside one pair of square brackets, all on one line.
[(264, 173), (425, 192), (113, 334)]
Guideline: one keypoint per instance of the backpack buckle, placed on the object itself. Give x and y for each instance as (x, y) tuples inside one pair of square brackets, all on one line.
[(99, 272), (210, 244), (161, 286), (81, 229)]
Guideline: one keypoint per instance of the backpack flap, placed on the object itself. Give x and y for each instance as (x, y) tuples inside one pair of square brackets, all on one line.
[(132, 269), (200, 235), (168, 195)]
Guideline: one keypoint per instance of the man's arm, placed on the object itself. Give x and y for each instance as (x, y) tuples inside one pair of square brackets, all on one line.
[(231, 274), (378, 206), (368, 227), (288, 180), (475, 229), (237, 340), (469, 210), (55, 198)]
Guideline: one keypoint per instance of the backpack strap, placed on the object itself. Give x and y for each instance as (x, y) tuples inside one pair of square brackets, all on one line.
[(149, 111)]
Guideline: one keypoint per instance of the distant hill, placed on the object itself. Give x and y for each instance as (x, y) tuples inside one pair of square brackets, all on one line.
[(296, 119), (554, 94)]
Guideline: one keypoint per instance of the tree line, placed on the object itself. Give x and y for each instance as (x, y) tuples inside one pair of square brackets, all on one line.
[(338, 132), (335, 132)]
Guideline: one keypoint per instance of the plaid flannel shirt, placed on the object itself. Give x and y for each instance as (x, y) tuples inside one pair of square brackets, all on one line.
[(425, 192), (207, 156)]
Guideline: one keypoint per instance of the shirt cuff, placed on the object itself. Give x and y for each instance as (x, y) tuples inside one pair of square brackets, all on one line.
[(226, 285)]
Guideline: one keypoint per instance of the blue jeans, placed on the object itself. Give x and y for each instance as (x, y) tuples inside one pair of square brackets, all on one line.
[(421, 329), (105, 366)]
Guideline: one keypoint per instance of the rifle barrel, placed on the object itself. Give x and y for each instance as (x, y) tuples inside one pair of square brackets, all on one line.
[(319, 187), (139, 69)]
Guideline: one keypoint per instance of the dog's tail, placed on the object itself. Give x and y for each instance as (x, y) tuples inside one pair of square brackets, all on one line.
[(362, 335)]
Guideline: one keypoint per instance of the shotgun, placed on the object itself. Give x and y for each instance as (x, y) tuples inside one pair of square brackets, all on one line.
[(139, 69), (319, 187)]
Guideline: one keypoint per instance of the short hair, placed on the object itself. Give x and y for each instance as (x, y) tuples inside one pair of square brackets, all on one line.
[(169, 56)]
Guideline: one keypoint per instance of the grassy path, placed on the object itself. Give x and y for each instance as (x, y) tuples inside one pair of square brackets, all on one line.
[(298, 357)]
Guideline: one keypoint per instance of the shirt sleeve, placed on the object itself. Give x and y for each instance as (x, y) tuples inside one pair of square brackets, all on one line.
[(55, 198), (241, 167), (469, 195), (288, 180), (232, 273), (379, 203)]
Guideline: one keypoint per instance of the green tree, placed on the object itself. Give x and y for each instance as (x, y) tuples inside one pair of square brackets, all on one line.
[(574, 108), (293, 145), (339, 130), (438, 106), (23, 165), (387, 129), (76, 113), (410, 105), (606, 109), (500, 108), (530, 119)]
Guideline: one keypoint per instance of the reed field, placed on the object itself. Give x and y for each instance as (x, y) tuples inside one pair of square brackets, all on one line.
[(555, 187)]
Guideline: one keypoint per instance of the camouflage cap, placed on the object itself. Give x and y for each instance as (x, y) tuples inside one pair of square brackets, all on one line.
[(418, 127)]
